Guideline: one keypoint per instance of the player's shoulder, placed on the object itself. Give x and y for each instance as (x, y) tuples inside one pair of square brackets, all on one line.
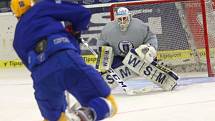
[(109, 26), (138, 23)]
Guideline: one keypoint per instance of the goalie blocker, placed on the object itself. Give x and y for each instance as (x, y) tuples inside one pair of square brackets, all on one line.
[(105, 58), (158, 74)]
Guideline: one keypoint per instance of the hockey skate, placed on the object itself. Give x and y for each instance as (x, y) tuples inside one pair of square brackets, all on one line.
[(82, 114), (86, 114)]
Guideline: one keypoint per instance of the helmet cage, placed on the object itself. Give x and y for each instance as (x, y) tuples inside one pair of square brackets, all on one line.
[(123, 18)]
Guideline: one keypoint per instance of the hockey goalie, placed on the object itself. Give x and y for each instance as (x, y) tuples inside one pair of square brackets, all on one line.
[(128, 47)]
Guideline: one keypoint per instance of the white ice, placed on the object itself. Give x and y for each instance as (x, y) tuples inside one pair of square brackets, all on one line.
[(192, 100)]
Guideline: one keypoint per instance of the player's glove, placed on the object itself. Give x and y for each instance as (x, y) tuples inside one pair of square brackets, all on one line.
[(146, 52), (69, 29)]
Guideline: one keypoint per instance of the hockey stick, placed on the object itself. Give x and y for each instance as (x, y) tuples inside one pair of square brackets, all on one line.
[(124, 86), (89, 48), (117, 78)]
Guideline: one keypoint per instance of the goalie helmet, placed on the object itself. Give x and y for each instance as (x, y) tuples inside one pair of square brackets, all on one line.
[(19, 7), (123, 18)]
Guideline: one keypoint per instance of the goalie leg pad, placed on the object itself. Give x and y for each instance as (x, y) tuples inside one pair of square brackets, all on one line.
[(123, 72), (158, 74), (110, 80)]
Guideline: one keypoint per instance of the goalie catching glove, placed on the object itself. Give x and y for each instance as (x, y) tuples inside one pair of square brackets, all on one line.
[(146, 53)]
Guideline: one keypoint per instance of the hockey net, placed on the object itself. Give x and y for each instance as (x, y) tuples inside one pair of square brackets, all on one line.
[(185, 30)]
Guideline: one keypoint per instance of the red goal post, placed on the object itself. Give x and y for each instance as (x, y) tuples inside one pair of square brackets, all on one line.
[(184, 29)]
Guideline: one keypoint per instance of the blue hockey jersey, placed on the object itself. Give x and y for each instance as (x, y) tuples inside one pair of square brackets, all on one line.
[(43, 19)]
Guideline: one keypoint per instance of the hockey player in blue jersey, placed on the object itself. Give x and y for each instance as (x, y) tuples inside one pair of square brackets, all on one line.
[(52, 55)]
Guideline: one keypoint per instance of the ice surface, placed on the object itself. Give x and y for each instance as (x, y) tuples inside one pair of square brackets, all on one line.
[(192, 100)]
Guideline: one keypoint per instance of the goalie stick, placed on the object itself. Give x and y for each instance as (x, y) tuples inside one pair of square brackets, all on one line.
[(123, 85), (117, 78)]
